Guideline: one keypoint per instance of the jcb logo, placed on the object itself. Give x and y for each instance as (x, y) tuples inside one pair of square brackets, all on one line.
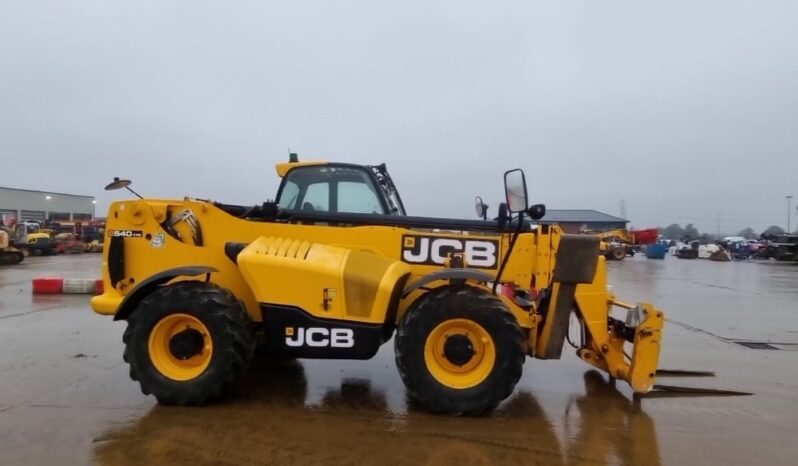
[(319, 337), (433, 250)]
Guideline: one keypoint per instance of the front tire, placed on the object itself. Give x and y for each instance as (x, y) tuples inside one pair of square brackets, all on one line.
[(459, 350), (618, 254), (187, 343)]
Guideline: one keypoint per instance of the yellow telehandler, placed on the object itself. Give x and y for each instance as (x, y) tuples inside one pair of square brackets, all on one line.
[(619, 243), (334, 268)]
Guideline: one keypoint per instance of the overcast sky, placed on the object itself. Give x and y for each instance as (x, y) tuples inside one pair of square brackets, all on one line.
[(687, 110)]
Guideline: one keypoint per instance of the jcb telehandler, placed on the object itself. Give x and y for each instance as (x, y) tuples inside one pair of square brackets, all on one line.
[(334, 268)]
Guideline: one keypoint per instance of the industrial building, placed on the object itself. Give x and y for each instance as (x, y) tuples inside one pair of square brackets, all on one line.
[(580, 220), (39, 206)]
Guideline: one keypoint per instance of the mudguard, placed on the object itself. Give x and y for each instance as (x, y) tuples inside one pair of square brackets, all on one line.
[(448, 274), (132, 299)]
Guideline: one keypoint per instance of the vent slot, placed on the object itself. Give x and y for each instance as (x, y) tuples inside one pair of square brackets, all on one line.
[(285, 247)]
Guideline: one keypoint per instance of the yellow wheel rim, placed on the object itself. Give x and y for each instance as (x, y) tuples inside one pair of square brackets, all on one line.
[(161, 355), (468, 374)]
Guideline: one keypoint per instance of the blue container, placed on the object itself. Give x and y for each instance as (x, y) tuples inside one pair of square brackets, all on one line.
[(656, 251)]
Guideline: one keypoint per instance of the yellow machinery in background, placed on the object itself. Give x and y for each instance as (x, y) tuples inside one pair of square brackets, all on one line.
[(619, 243), (31, 237), (334, 268), (9, 254)]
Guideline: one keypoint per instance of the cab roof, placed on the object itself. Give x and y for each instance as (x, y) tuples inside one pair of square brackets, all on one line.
[(282, 168)]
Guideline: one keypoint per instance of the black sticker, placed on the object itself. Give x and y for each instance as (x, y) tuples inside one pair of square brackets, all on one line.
[(125, 233), (433, 250)]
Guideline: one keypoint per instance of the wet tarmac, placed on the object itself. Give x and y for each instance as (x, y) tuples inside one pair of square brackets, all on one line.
[(65, 395)]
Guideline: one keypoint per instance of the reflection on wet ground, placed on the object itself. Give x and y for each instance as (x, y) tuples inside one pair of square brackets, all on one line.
[(749, 300), (268, 422), (65, 395)]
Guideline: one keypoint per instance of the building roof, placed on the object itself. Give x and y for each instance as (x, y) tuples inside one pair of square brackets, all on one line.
[(580, 216), (46, 192)]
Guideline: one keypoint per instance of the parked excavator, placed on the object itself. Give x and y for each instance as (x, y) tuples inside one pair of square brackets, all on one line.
[(37, 241), (9, 255)]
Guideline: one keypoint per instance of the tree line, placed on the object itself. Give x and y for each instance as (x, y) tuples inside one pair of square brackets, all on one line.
[(674, 231)]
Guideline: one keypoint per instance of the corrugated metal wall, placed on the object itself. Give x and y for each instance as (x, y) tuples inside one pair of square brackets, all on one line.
[(36, 204), (32, 216)]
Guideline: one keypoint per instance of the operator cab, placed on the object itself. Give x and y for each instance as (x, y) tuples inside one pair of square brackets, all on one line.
[(23, 230), (339, 188), (349, 194)]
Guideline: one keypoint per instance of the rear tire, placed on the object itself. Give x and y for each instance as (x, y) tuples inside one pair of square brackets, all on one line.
[(187, 343), (459, 350)]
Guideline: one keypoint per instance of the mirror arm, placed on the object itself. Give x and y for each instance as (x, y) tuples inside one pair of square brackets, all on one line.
[(134, 192), (509, 249)]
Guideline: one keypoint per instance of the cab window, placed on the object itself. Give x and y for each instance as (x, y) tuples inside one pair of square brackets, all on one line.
[(357, 198), (289, 195), (330, 189), (317, 197)]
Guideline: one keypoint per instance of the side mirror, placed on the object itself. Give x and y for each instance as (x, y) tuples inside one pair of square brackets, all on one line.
[(481, 207), (515, 191), (119, 184), (536, 212)]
